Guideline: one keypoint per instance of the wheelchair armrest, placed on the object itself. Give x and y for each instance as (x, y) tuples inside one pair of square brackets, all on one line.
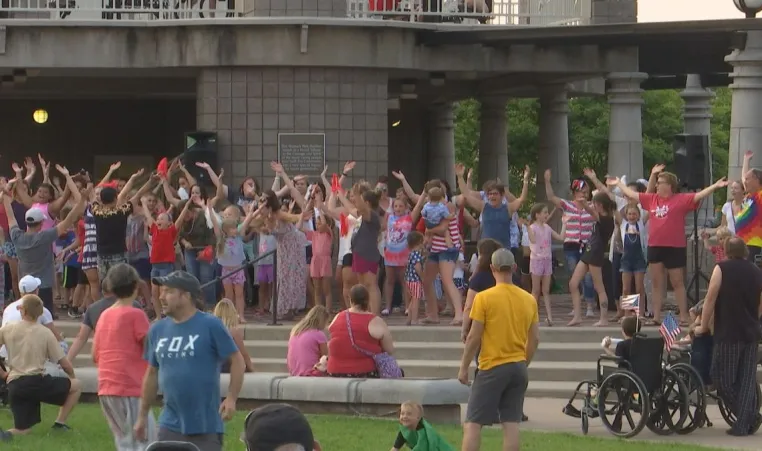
[(610, 358)]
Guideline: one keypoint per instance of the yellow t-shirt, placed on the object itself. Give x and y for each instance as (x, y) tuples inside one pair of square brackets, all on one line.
[(29, 346), (507, 313)]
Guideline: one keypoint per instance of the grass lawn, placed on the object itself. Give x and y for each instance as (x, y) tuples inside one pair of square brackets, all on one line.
[(335, 433)]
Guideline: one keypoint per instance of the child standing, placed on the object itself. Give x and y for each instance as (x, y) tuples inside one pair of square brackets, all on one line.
[(594, 256), (399, 223), (265, 271), (540, 254), (163, 233), (320, 265), (435, 211), (634, 239), (414, 275), (718, 250), (417, 433), (67, 260), (230, 256)]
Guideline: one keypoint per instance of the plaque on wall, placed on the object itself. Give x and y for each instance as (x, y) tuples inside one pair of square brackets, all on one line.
[(302, 153)]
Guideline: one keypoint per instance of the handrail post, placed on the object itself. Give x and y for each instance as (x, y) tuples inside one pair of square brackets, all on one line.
[(274, 294)]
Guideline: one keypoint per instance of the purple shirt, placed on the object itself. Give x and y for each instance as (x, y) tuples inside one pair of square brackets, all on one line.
[(304, 351)]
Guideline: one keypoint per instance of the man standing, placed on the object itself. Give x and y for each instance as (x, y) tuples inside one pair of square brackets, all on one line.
[(35, 246), (185, 352), (748, 221), (504, 326), (733, 301), (30, 345)]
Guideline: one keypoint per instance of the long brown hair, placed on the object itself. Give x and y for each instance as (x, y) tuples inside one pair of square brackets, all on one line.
[(485, 248)]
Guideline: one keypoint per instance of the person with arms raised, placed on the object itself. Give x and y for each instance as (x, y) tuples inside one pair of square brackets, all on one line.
[(185, 352)]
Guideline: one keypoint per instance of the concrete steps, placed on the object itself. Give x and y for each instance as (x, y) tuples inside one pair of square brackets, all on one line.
[(566, 355)]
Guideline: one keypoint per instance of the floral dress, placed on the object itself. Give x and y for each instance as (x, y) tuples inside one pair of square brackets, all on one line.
[(292, 267)]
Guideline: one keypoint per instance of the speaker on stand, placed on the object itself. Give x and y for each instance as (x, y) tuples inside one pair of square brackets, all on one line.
[(693, 165), (200, 147)]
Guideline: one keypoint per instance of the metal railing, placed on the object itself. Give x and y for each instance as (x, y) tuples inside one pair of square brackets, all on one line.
[(492, 12)]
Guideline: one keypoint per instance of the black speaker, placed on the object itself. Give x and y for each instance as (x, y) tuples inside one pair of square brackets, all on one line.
[(200, 147), (693, 161)]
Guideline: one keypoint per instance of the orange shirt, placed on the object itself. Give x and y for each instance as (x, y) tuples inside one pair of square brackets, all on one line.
[(118, 351)]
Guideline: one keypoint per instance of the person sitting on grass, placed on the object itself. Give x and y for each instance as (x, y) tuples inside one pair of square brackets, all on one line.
[(278, 427), (417, 433), (29, 346)]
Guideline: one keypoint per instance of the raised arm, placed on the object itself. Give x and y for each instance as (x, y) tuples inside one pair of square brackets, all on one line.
[(745, 166), (552, 198), (146, 213), (473, 201), (706, 192), (171, 198), (22, 189), (124, 194), (295, 194), (73, 215), (347, 204), (590, 174), (626, 190), (409, 191), (560, 236), (110, 173), (31, 169), (145, 189), (182, 215), (655, 171), (415, 215), (191, 180), (515, 204)]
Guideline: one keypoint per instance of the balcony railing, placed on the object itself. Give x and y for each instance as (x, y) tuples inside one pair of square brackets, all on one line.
[(494, 12)]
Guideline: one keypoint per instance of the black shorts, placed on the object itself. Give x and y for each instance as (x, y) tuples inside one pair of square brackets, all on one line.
[(670, 257), (82, 278), (593, 259), (525, 265), (70, 276), (309, 254), (346, 260), (27, 393)]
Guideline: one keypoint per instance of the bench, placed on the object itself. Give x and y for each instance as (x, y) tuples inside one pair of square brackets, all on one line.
[(441, 398)]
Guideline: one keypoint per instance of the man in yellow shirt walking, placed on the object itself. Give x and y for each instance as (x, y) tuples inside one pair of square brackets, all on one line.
[(505, 333)]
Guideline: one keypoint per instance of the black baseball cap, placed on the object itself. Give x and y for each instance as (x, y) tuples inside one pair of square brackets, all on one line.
[(275, 425), (182, 281)]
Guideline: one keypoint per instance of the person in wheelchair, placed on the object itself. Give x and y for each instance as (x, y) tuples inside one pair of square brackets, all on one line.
[(621, 348)]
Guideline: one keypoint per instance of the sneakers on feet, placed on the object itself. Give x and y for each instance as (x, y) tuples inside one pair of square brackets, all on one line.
[(384, 312), (61, 426), (590, 313)]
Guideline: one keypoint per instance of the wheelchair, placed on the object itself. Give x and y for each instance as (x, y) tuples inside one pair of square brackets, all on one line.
[(679, 361), (641, 388)]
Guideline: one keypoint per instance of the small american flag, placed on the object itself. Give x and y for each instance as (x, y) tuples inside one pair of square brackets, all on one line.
[(631, 302), (669, 330)]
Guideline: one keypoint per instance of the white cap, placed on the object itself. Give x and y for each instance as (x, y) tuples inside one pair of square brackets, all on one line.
[(28, 284), (34, 216)]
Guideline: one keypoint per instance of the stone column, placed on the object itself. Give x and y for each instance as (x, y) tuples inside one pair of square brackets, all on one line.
[(493, 139), (441, 148), (625, 127), (697, 115), (745, 124), (554, 141)]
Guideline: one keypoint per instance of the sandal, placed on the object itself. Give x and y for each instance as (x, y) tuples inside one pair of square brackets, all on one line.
[(549, 322), (429, 321)]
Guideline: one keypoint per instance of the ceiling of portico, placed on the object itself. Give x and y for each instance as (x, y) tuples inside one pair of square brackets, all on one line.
[(53, 85)]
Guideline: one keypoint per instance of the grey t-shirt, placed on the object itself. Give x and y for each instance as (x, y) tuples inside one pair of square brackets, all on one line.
[(94, 312), (35, 254), (365, 241)]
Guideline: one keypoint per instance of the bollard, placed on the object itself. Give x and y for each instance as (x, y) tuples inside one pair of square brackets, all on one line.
[(274, 296)]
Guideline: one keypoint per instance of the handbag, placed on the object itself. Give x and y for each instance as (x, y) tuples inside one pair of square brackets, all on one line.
[(206, 254), (386, 365)]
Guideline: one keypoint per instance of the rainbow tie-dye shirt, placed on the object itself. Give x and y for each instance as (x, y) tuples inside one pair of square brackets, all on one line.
[(749, 220)]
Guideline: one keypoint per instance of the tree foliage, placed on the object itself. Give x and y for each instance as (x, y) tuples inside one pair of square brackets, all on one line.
[(588, 132)]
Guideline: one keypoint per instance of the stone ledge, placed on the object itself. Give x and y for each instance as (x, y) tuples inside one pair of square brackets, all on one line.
[(376, 397)]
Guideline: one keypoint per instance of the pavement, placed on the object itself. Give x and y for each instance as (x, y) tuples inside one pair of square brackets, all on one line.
[(545, 415)]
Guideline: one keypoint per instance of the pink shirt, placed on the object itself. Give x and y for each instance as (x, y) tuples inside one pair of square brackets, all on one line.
[(666, 218), (48, 222), (118, 351), (304, 351), (322, 243), (540, 249)]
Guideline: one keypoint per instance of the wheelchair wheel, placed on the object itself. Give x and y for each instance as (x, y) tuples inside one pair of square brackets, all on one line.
[(623, 404), (585, 422), (728, 415), (669, 405), (696, 397)]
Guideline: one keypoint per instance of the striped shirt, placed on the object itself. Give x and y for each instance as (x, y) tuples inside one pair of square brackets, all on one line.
[(579, 227), (438, 243)]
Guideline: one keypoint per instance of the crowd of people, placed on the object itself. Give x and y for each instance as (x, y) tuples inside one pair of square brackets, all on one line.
[(106, 249)]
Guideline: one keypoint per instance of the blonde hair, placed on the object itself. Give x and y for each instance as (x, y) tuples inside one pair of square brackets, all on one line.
[(316, 318), (226, 224), (723, 232), (413, 405), (32, 305), (226, 312)]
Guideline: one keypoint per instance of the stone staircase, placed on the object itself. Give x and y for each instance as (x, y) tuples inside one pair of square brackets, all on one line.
[(566, 355)]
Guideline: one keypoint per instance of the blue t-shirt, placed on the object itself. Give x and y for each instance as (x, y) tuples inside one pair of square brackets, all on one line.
[(188, 356), (65, 241)]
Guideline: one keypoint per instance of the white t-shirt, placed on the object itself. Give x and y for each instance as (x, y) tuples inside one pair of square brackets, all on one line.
[(345, 242), (458, 273), (11, 314), (182, 194), (727, 211), (474, 263)]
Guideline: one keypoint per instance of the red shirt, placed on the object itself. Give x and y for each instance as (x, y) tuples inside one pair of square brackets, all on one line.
[(118, 351), (344, 358), (666, 218), (163, 244)]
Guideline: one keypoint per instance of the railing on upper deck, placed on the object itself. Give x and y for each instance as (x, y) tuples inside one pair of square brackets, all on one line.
[(494, 12)]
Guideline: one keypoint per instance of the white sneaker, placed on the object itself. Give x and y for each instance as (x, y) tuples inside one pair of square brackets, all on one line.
[(385, 312), (590, 313)]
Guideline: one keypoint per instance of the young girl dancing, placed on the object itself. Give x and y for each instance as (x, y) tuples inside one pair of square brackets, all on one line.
[(602, 210), (320, 265), (231, 255), (718, 250), (414, 275), (634, 240), (540, 254)]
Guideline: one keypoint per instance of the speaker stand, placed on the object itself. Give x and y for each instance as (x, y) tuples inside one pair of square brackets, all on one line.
[(697, 274)]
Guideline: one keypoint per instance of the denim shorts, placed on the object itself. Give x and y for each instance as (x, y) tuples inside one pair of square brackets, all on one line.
[(637, 264), (450, 255), (161, 269)]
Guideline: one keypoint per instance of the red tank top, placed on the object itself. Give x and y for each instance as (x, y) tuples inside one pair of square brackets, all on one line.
[(343, 358)]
